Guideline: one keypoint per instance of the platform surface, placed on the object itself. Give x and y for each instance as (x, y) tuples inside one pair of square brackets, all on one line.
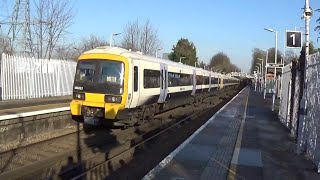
[(12, 107), (244, 140)]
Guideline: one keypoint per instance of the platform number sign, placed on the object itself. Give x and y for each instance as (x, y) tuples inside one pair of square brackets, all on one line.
[(293, 39)]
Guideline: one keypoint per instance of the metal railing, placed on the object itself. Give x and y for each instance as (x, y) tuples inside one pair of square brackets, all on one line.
[(25, 78)]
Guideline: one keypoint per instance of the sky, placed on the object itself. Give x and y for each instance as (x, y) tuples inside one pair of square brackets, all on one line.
[(234, 27)]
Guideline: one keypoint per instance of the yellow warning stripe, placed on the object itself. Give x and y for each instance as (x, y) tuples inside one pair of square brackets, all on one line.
[(233, 165)]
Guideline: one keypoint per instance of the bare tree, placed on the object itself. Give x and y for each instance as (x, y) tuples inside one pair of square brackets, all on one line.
[(92, 42), (5, 45), (66, 52), (141, 38), (131, 37), (290, 56), (221, 61), (72, 51), (53, 18)]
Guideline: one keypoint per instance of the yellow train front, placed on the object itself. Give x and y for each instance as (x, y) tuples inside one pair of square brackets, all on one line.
[(100, 87)]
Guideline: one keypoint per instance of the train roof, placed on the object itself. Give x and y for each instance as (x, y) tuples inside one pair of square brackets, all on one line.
[(138, 55)]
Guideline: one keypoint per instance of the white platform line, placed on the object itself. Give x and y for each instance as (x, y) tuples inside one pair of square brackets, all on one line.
[(33, 113), (166, 160)]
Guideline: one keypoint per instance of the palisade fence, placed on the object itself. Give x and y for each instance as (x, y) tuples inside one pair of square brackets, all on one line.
[(306, 127), (269, 86), (25, 78), (284, 111)]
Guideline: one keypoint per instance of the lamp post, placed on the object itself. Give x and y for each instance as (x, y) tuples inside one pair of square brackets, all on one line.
[(260, 59), (304, 100), (182, 58), (275, 61), (157, 51), (265, 76), (256, 77), (259, 67), (262, 72), (276, 48), (111, 37)]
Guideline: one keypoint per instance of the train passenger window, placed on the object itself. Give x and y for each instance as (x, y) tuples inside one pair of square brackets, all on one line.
[(179, 79), (186, 80), (214, 80), (151, 79), (173, 79), (199, 79), (135, 79), (206, 80)]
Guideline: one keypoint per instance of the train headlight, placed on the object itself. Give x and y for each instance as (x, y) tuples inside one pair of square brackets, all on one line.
[(79, 96), (112, 99)]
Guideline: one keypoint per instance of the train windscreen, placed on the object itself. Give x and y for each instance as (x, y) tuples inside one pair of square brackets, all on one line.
[(100, 76)]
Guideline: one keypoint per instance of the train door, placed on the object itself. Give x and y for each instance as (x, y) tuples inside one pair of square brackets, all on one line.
[(220, 82), (163, 83), (136, 81), (194, 83)]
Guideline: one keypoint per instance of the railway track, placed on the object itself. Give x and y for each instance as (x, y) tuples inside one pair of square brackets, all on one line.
[(93, 149), (99, 169)]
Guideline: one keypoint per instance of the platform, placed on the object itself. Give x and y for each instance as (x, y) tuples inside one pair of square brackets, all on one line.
[(243, 140), (13, 108)]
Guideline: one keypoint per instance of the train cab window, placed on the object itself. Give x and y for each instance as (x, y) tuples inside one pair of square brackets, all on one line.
[(135, 79), (151, 79), (112, 72), (85, 71)]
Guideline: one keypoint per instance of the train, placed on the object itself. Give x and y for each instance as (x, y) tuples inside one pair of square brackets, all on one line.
[(120, 87)]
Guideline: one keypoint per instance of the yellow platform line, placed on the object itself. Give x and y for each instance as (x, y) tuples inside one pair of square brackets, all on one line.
[(233, 165)]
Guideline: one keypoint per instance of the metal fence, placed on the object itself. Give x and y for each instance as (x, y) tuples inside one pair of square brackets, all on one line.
[(284, 111), (309, 137), (23, 78), (302, 121), (269, 86)]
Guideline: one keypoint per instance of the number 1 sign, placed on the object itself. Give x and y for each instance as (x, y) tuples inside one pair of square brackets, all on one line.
[(293, 39)]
